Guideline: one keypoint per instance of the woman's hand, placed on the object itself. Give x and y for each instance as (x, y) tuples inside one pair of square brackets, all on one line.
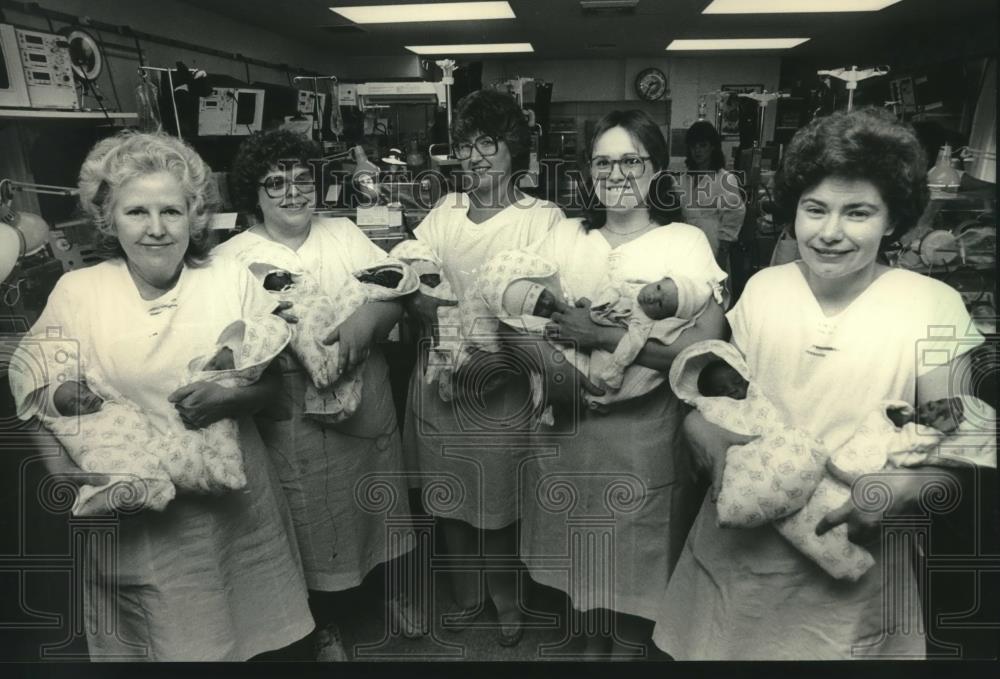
[(709, 443), (903, 488), (200, 404), (356, 335), (425, 309), (575, 327)]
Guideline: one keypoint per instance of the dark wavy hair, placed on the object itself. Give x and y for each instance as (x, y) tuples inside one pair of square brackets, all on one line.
[(663, 201), (259, 154), (703, 130), (498, 115), (865, 144)]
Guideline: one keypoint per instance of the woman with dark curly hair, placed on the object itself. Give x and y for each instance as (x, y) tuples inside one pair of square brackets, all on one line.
[(712, 199), (211, 577), (475, 443), (331, 473), (828, 338)]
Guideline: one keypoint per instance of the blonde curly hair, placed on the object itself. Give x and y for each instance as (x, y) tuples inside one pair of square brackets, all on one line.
[(115, 161)]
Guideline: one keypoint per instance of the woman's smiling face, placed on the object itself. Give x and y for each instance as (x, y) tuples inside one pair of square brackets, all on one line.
[(287, 197), (618, 191), (839, 225)]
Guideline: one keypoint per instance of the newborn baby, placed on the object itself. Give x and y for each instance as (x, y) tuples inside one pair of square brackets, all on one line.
[(773, 475), (72, 399), (657, 300), (659, 310), (893, 436), (331, 397)]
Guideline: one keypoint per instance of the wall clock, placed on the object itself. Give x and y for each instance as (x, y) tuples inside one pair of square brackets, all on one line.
[(651, 84)]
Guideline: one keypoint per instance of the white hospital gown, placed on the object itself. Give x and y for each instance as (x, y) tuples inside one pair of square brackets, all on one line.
[(473, 446), (210, 577), (608, 498), (741, 594), (335, 476)]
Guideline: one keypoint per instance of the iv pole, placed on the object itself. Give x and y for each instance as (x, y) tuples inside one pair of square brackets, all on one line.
[(851, 76), (173, 100)]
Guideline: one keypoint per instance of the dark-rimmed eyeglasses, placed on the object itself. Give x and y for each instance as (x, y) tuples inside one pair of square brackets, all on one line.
[(276, 186), (487, 145), (631, 165)]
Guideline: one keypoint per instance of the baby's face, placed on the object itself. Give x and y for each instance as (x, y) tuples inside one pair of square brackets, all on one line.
[(278, 281), (74, 398), (725, 380), (944, 414), (658, 300), (546, 305)]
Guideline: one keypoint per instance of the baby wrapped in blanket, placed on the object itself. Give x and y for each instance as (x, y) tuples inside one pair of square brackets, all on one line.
[(330, 397), (112, 436), (524, 290), (768, 478), (462, 327), (781, 476)]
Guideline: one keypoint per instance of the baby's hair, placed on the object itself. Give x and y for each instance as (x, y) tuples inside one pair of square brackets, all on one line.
[(710, 370)]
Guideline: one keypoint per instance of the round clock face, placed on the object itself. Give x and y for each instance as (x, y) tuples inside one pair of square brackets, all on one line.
[(651, 84)]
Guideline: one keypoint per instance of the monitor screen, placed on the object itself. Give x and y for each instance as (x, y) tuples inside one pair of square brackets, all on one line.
[(246, 104)]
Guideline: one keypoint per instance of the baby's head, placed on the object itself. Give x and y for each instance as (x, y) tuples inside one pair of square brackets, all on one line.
[(277, 281), (659, 299), (718, 378), (74, 398), (222, 360), (944, 414)]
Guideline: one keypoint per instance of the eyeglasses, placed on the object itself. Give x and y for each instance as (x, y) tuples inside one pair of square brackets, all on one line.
[(276, 186), (631, 165), (486, 145)]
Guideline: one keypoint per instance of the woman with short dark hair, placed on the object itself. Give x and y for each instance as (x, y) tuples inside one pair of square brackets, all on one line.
[(828, 338)]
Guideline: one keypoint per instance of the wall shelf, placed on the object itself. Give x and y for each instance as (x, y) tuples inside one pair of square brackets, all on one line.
[(47, 114)]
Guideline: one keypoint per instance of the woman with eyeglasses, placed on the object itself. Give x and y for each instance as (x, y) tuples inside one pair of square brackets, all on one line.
[(472, 446), (611, 501), (326, 470), (712, 198)]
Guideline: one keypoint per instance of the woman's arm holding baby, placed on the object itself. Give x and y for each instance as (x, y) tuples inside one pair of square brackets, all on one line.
[(709, 443), (371, 322), (906, 485), (575, 326), (200, 404)]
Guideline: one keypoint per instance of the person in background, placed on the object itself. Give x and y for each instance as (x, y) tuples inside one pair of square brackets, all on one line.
[(326, 470), (212, 577), (624, 462), (712, 197), (480, 438), (828, 337)]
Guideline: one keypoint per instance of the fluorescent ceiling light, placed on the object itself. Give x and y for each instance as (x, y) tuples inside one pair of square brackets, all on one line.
[(486, 48), (794, 6), (712, 44), (426, 12)]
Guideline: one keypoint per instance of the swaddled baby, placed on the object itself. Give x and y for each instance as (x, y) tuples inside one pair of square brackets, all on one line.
[(331, 397), (773, 475), (659, 310), (524, 290), (112, 436), (893, 435), (462, 325)]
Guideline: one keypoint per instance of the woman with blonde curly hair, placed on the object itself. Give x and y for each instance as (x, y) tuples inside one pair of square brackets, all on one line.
[(190, 582)]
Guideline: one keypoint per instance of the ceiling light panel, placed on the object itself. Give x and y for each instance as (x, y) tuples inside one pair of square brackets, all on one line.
[(713, 44), (794, 6), (485, 48), (426, 12)]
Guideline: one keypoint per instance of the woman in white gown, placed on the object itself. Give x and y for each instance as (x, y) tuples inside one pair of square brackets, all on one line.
[(828, 338), (622, 466), (331, 473), (210, 577), (474, 444)]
